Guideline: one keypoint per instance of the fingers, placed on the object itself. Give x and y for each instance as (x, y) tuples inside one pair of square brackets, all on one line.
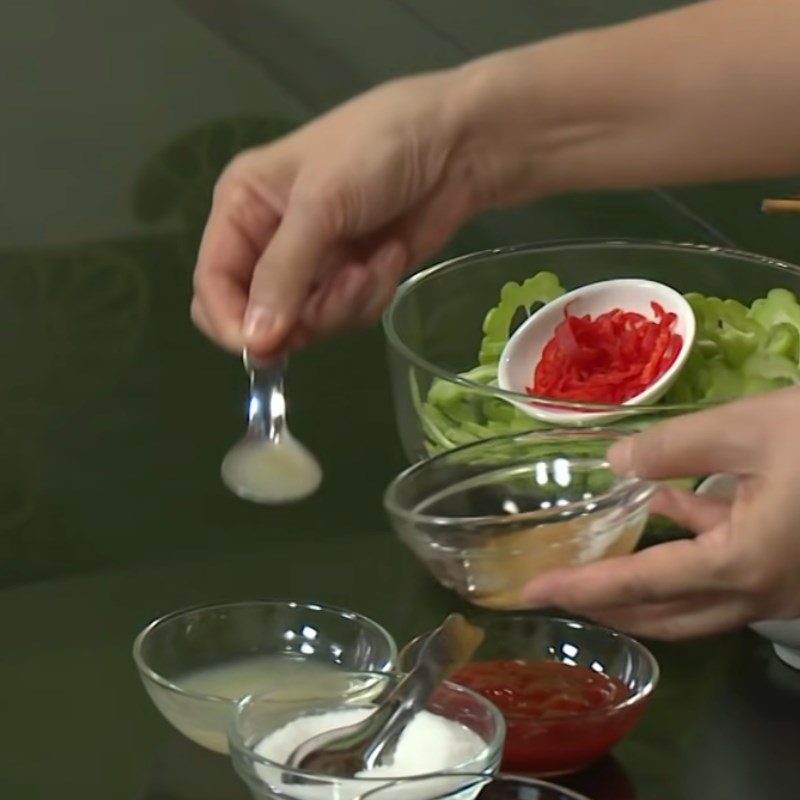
[(300, 253), (201, 319), (719, 440), (356, 293), (335, 304), (661, 573), (696, 513), (239, 226), (284, 275), (299, 339), (386, 268), (222, 301), (680, 619), (259, 275), (739, 567)]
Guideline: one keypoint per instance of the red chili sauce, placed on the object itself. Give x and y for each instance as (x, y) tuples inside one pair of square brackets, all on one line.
[(608, 359), (559, 717)]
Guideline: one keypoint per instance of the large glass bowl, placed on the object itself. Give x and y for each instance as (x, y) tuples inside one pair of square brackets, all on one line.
[(434, 326), (566, 739)]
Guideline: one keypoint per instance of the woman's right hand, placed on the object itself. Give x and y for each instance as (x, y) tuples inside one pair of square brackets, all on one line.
[(311, 233)]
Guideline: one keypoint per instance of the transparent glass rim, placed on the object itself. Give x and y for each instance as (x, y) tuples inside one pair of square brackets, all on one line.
[(632, 644), (635, 490), (411, 283), (148, 672), (238, 744), (477, 778)]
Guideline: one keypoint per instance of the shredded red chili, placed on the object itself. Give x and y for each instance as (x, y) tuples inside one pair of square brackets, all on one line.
[(608, 359)]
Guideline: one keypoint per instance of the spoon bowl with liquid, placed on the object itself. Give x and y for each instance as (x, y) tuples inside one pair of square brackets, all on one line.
[(268, 465)]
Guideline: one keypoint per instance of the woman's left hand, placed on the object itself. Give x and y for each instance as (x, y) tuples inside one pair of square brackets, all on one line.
[(744, 562)]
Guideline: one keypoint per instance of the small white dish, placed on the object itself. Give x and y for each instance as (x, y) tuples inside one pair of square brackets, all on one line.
[(524, 349), (783, 633)]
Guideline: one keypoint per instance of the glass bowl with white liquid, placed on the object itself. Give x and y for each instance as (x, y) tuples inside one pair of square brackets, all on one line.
[(442, 752), (198, 662)]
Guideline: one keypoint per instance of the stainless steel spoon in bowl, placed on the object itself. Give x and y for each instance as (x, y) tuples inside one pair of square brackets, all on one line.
[(268, 465), (345, 751)]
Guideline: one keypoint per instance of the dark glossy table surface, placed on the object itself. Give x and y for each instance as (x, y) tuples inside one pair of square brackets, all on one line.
[(114, 413)]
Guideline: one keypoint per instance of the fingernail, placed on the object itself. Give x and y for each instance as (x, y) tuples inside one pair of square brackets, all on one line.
[(259, 322), (620, 456)]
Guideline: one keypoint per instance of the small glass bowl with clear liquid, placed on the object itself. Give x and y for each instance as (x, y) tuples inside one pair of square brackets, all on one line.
[(487, 517), (197, 663)]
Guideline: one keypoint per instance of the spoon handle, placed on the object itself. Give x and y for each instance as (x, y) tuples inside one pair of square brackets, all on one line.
[(266, 411), (449, 647)]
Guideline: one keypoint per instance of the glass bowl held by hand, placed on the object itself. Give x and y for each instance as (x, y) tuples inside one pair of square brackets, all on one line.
[(197, 663), (444, 372), (255, 719), (488, 517), (557, 723)]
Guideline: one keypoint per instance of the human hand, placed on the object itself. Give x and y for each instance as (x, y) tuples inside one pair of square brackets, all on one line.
[(310, 234), (744, 563)]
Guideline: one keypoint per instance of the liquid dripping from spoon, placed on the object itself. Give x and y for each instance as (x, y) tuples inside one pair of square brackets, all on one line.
[(269, 465)]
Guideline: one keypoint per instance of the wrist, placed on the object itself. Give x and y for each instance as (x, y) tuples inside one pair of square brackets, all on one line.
[(513, 130)]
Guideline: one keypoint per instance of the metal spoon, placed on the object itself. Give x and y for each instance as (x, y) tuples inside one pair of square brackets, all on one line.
[(345, 751), (268, 465)]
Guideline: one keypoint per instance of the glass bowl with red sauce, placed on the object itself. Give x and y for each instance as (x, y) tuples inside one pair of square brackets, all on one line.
[(569, 690)]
